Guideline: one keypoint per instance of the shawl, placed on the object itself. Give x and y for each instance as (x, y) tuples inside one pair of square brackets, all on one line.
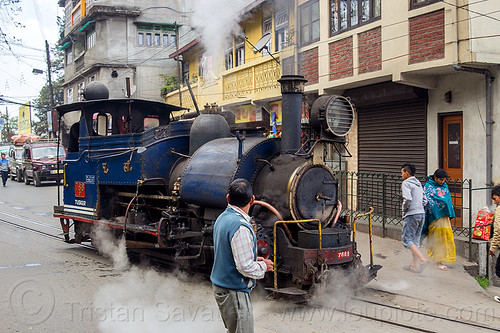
[(439, 202)]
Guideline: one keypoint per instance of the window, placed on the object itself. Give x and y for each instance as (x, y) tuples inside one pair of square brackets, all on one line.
[(267, 26), (420, 3), (151, 121), (309, 23), (240, 49), (91, 38), (173, 40), (69, 95), (69, 56), (347, 14), (202, 62), (140, 39), (80, 88), (228, 56), (165, 40), (157, 40), (185, 71), (148, 39), (281, 28)]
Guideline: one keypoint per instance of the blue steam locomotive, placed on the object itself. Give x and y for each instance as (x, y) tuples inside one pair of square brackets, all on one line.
[(161, 181)]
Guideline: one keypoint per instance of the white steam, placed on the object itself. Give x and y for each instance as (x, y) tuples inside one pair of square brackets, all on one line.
[(148, 301), (217, 21), (111, 247)]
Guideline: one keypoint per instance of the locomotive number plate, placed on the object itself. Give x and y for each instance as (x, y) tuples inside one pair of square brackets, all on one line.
[(343, 254)]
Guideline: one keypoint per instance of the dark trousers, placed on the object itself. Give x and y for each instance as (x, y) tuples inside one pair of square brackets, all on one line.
[(497, 266), (5, 176)]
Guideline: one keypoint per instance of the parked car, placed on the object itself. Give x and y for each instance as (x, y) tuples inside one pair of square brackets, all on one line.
[(16, 162), (40, 162)]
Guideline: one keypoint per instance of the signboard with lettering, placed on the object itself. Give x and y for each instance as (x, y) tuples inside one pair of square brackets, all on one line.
[(25, 119)]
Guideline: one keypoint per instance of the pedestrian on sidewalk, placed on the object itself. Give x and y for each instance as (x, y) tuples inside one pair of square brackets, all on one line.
[(413, 215), (495, 241), (4, 168), (437, 226), (236, 265)]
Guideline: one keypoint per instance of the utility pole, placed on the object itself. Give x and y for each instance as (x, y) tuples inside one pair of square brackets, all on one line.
[(8, 128), (49, 74)]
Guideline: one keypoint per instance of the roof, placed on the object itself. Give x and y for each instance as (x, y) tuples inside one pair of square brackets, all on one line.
[(252, 6), (105, 103), (185, 47)]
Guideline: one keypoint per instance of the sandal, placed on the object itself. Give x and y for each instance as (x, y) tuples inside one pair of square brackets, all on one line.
[(442, 267), (496, 298), (410, 269)]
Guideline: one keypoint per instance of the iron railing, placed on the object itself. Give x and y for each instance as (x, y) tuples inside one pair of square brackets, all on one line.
[(360, 191)]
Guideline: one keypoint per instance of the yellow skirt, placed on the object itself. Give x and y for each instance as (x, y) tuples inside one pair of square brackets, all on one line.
[(441, 246)]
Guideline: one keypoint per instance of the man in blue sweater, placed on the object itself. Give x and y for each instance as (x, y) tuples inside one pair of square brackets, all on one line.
[(4, 168), (414, 201), (236, 265)]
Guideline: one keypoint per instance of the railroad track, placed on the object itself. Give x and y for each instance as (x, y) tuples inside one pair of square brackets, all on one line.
[(425, 322), (36, 231), (454, 324)]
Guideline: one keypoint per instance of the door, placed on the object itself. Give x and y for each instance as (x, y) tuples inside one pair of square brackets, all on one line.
[(452, 160)]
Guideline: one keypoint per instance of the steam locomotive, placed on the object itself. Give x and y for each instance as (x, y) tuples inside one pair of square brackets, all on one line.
[(162, 182)]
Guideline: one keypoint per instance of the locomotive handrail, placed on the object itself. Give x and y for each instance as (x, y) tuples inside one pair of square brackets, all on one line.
[(369, 213), (274, 241)]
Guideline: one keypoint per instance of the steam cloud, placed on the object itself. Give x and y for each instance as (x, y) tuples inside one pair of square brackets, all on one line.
[(143, 300), (217, 21), (111, 247)]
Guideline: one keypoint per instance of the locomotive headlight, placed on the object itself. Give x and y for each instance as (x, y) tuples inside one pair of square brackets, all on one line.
[(333, 115)]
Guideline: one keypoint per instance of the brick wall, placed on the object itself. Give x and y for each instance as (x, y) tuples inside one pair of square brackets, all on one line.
[(370, 51), (427, 37), (308, 65), (341, 63)]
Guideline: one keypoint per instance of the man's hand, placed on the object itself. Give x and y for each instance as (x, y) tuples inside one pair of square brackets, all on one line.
[(492, 253), (269, 264)]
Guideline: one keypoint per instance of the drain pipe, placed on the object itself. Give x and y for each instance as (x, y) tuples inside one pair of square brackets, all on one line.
[(489, 157)]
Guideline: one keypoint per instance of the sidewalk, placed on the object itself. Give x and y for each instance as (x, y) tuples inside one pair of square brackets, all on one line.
[(452, 293)]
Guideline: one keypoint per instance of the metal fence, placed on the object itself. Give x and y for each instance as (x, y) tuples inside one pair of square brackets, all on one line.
[(360, 191)]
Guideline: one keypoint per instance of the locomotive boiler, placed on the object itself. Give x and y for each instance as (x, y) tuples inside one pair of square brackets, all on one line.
[(162, 182)]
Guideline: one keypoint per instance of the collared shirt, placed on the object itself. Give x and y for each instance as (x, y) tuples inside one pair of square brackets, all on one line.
[(243, 249)]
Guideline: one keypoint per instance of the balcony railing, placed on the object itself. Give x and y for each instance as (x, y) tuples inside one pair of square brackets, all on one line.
[(252, 78)]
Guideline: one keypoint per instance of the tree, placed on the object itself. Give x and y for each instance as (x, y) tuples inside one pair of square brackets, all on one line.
[(12, 126), (42, 103)]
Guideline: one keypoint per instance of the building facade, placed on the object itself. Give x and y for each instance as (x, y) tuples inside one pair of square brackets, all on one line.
[(418, 71), (120, 41)]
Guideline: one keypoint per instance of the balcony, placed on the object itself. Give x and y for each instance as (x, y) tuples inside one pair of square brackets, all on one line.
[(252, 81), (256, 80)]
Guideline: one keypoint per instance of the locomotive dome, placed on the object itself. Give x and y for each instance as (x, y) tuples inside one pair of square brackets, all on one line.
[(96, 90)]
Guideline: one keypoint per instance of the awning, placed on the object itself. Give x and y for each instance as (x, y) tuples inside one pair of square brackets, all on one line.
[(185, 48), (65, 45), (82, 29)]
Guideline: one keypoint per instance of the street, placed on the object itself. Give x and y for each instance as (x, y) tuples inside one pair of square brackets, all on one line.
[(51, 286)]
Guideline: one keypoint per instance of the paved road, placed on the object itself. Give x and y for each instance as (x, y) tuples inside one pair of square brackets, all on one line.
[(50, 286)]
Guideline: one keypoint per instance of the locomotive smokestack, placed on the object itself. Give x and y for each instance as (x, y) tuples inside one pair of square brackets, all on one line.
[(292, 88)]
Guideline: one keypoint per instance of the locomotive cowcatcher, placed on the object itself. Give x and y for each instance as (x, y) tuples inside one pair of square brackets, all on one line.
[(162, 182)]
